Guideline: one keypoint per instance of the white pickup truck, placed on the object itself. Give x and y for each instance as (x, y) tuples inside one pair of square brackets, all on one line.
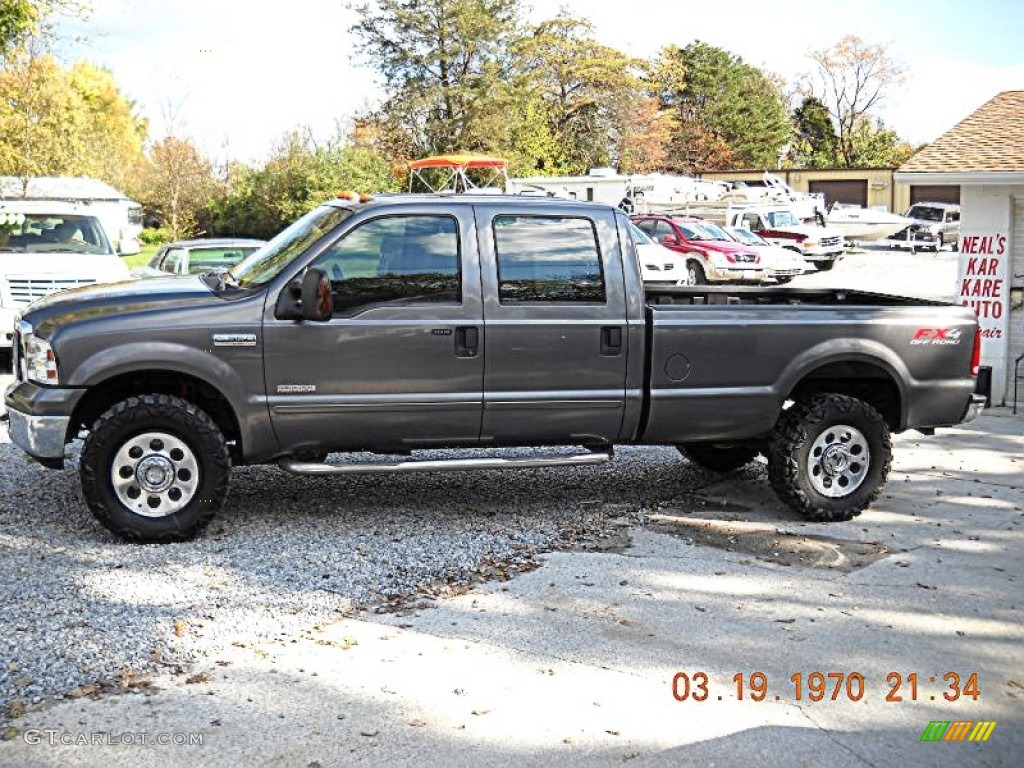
[(48, 246)]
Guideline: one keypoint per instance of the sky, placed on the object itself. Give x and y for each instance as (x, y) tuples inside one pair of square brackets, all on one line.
[(236, 75)]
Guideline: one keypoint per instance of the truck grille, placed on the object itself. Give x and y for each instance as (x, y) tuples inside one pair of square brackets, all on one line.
[(25, 290), (831, 242)]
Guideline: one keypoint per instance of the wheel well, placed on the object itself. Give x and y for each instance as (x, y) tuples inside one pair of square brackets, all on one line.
[(865, 381), (793, 248), (103, 395)]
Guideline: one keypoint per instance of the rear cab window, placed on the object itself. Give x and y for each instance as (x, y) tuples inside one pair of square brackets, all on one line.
[(548, 259)]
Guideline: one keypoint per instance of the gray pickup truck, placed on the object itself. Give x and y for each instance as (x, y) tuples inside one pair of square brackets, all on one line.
[(405, 322)]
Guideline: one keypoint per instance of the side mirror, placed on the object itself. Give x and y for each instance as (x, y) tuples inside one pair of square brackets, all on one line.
[(128, 246), (317, 303), (306, 298)]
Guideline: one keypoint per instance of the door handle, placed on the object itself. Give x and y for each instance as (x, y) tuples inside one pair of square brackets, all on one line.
[(467, 341), (611, 341)]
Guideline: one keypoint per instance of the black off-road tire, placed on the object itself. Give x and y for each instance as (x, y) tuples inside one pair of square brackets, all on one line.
[(168, 415), (719, 457), (791, 466), (825, 266)]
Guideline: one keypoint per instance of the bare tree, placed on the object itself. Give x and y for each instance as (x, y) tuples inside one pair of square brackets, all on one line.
[(851, 78)]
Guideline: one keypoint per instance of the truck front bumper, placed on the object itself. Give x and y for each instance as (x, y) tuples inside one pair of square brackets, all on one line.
[(39, 436)]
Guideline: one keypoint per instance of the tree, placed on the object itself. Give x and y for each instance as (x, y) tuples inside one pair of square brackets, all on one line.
[(299, 175), (175, 185), (872, 145), (75, 122), (645, 134), (851, 78), (444, 67), (816, 141), (580, 90), (20, 20), (732, 110)]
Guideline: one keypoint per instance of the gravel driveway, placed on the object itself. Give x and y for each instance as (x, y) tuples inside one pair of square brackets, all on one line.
[(80, 607)]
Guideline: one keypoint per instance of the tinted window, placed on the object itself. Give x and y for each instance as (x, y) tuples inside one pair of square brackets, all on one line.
[(547, 259), (394, 260), (647, 225)]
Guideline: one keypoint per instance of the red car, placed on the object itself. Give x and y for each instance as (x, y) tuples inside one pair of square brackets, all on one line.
[(712, 256)]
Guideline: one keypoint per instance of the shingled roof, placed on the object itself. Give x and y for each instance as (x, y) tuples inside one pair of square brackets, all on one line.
[(991, 139)]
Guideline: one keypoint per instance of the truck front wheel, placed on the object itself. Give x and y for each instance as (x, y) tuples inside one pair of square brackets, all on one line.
[(719, 457), (154, 469), (828, 457), (824, 266)]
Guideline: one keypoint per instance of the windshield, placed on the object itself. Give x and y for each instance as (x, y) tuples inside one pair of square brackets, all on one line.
[(924, 213), (746, 236), (709, 231), (52, 233), (782, 219), (639, 236), (267, 263)]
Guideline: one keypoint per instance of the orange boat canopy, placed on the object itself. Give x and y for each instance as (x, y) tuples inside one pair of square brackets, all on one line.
[(458, 161)]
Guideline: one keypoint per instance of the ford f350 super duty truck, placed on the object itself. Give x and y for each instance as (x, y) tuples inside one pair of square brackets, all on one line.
[(410, 322)]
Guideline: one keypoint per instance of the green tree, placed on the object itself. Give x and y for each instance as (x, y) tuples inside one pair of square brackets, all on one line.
[(727, 110), (21, 20), (444, 67), (176, 184), (816, 141), (872, 145), (851, 78), (56, 121), (299, 175), (581, 90)]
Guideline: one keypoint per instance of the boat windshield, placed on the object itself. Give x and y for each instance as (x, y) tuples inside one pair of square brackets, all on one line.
[(266, 263)]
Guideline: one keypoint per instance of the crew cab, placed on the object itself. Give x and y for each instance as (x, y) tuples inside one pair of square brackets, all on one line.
[(48, 246), (409, 322), (712, 256)]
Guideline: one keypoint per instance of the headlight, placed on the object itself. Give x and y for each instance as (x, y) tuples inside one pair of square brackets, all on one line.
[(40, 362)]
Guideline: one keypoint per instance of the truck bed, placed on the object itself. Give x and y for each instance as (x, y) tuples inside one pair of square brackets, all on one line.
[(722, 361)]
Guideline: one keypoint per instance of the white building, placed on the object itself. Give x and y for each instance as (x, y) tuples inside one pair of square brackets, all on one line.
[(984, 154)]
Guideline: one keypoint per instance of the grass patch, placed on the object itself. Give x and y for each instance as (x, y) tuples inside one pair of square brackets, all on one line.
[(142, 258)]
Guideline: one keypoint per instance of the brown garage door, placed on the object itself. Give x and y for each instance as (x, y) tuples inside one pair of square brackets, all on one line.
[(848, 191), (935, 193)]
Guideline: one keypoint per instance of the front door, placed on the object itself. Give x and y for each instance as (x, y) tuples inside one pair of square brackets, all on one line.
[(400, 364), (554, 314)]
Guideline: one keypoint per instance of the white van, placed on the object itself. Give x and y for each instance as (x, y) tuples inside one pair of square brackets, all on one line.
[(47, 247)]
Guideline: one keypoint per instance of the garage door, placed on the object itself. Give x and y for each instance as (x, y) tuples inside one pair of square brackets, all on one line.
[(847, 191), (935, 193)]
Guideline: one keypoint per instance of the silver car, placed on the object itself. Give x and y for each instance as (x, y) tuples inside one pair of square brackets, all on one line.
[(191, 257)]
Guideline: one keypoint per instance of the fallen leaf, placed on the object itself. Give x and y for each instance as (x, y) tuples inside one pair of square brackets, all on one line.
[(626, 623), (198, 677), (417, 723), (180, 625)]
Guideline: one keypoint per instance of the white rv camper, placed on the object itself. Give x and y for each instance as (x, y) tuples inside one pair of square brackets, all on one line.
[(638, 192)]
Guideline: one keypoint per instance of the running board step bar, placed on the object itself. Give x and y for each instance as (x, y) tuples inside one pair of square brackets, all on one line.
[(445, 465)]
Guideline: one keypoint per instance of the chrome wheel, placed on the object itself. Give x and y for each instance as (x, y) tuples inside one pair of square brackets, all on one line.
[(838, 461), (154, 474)]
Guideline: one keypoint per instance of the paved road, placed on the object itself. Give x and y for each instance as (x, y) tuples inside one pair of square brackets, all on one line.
[(573, 663)]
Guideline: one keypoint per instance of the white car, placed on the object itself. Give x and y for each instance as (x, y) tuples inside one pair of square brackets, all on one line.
[(45, 247), (782, 264), (658, 264)]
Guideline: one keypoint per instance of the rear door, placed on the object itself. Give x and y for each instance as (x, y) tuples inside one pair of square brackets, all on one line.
[(400, 364), (555, 323)]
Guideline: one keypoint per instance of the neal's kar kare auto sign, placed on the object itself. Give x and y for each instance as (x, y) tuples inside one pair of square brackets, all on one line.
[(983, 285)]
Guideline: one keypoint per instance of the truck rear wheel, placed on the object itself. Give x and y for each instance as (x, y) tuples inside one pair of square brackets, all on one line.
[(829, 457), (154, 469), (719, 457)]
